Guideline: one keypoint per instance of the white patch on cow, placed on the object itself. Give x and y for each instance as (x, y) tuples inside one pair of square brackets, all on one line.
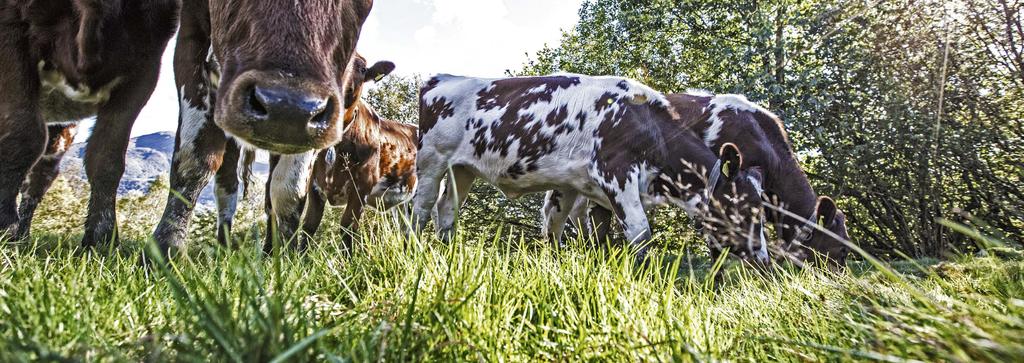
[(537, 89), (290, 182), (193, 119), (720, 103), (762, 253), (635, 221), (712, 132), (757, 184), (53, 80), (734, 102), (213, 72)]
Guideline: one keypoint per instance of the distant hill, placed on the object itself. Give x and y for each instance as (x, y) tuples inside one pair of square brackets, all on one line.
[(148, 158)]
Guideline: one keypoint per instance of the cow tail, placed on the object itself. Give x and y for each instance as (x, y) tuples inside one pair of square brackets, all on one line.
[(248, 159)]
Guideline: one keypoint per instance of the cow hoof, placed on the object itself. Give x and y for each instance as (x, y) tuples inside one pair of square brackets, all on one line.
[(347, 243), (22, 233), (268, 248), (642, 259), (446, 235), (9, 232), (8, 225)]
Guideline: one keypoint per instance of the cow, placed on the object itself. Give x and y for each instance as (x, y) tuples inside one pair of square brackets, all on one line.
[(259, 74), (732, 119), (64, 61), (374, 165), (608, 139), (760, 135)]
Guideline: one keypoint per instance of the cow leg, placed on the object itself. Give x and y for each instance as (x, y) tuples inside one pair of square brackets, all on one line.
[(446, 207), (199, 145), (268, 207), (316, 203), (579, 216), (350, 218), (430, 169), (104, 158), (42, 175), (629, 210), (556, 210), (226, 192), (288, 188), (22, 132), (600, 220)]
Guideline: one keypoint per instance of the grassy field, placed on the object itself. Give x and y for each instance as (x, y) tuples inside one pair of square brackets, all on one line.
[(497, 297)]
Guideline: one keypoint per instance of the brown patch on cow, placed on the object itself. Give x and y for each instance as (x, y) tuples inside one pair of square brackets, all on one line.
[(514, 95)]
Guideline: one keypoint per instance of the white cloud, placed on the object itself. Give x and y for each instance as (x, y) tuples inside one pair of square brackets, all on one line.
[(468, 37)]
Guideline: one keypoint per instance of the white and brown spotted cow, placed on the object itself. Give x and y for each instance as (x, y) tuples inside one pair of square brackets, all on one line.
[(608, 139), (373, 166), (266, 74), (62, 61), (759, 134)]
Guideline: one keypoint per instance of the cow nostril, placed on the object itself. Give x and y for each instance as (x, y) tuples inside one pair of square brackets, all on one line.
[(327, 109), (257, 103)]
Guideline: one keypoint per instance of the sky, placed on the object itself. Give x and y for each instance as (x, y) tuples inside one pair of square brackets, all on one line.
[(465, 37)]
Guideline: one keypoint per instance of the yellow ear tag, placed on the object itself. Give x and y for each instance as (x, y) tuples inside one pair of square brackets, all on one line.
[(725, 169), (610, 101), (378, 78)]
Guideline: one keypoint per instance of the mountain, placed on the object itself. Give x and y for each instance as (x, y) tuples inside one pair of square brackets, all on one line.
[(148, 158)]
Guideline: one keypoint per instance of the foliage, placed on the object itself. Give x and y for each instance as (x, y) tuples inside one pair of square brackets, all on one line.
[(907, 111), (492, 296), (396, 98)]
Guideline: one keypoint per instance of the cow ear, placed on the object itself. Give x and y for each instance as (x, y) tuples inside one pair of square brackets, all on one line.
[(379, 70), (732, 161), (826, 211)]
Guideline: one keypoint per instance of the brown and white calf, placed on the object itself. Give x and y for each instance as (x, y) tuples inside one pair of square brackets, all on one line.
[(759, 134), (608, 139), (267, 74), (64, 61), (374, 165)]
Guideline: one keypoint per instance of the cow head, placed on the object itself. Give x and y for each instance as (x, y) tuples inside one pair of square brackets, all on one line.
[(816, 245), (734, 215), (282, 68), (358, 74)]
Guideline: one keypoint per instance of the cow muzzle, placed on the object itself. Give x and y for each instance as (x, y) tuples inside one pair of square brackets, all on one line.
[(281, 114)]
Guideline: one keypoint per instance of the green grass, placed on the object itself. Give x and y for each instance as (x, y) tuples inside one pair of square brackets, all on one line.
[(488, 298)]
